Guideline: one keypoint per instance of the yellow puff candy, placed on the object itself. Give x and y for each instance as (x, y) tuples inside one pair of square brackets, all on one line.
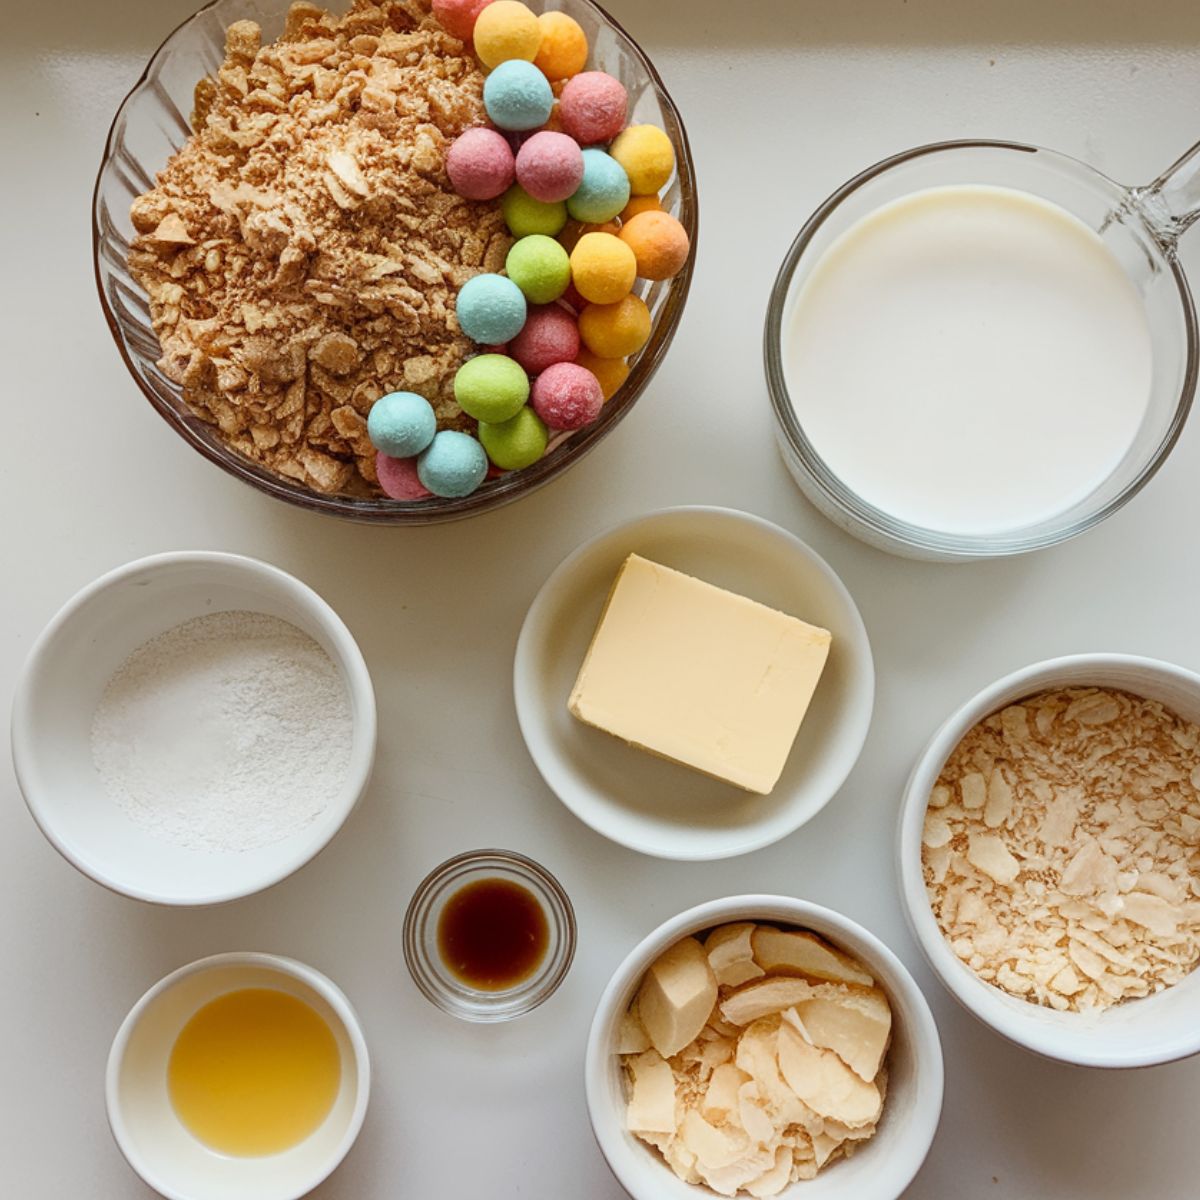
[(646, 154), (574, 230), (564, 48), (615, 330), (612, 372), (505, 30), (603, 268)]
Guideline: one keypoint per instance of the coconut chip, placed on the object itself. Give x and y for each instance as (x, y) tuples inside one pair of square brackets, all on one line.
[(786, 1076), (1061, 848)]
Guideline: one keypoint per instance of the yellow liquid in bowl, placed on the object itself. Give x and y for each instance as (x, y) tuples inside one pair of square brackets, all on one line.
[(254, 1072)]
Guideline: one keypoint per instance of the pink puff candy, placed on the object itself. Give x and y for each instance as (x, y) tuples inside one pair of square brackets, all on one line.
[(592, 107), (567, 396), (458, 17), (398, 478), (550, 335), (480, 164), (550, 166)]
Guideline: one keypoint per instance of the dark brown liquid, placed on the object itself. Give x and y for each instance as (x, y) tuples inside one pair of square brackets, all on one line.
[(492, 934)]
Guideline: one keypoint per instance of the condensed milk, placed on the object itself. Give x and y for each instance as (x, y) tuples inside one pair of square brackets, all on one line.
[(969, 359)]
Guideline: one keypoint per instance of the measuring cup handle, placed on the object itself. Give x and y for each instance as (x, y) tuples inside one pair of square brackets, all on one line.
[(1171, 203)]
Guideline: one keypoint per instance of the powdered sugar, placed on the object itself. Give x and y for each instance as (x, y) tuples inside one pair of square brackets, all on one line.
[(228, 732)]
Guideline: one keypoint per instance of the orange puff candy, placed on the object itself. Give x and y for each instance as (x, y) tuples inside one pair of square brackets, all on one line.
[(659, 243), (640, 204), (564, 48)]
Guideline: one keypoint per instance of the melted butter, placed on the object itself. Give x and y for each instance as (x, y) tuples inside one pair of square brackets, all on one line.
[(254, 1072)]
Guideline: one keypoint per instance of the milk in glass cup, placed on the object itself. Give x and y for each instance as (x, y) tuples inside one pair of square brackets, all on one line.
[(981, 348)]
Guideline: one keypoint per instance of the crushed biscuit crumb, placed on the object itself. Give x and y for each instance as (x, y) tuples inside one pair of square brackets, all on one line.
[(303, 250)]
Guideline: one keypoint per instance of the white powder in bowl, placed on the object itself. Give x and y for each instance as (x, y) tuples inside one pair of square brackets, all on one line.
[(228, 732)]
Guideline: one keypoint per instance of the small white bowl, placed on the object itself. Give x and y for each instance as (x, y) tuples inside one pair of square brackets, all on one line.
[(883, 1166), (647, 803), (65, 676), (1139, 1033), (154, 1141)]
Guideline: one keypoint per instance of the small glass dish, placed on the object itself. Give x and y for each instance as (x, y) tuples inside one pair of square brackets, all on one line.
[(439, 984), (152, 124)]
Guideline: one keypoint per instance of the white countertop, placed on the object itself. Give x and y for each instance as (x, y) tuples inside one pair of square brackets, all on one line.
[(781, 108)]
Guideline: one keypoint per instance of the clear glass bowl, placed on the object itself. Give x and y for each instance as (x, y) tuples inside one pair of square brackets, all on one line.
[(439, 985), (152, 124), (1139, 225)]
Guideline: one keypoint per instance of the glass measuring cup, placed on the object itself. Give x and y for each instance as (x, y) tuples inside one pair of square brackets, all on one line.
[(1139, 225)]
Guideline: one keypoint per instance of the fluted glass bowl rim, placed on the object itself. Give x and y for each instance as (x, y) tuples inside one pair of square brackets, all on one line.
[(879, 526), (494, 493)]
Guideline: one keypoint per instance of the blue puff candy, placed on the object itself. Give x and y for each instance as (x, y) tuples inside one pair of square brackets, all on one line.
[(454, 465), (401, 424), (517, 96), (491, 309), (603, 192)]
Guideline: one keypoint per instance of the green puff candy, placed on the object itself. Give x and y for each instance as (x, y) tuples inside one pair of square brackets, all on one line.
[(491, 387), (540, 267), (516, 443), (525, 215)]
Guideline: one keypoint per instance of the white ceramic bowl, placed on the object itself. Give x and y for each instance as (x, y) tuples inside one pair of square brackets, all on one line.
[(1140, 1033), (152, 1138), (65, 676), (659, 807), (882, 1167)]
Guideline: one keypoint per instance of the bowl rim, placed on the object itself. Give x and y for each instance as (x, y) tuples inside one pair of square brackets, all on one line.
[(321, 984), (514, 485), (24, 736), (860, 707), (923, 1031), (878, 527), (983, 1001)]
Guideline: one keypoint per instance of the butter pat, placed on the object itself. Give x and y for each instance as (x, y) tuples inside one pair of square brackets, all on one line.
[(699, 675)]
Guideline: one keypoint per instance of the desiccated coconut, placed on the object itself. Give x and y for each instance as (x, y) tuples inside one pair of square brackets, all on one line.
[(1061, 848)]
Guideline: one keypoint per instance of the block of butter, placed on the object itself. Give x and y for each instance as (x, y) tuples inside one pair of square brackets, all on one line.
[(699, 675)]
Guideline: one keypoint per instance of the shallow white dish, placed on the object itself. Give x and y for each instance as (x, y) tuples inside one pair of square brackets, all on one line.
[(155, 1143), (882, 1167), (659, 807), (1139, 1033), (65, 675)]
